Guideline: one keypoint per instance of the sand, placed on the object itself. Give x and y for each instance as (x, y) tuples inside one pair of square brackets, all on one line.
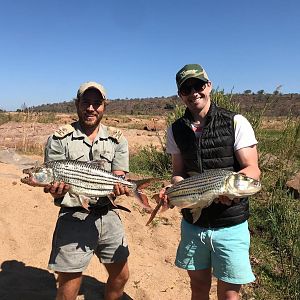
[(27, 220)]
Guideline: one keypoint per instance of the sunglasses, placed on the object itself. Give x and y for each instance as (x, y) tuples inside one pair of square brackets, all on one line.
[(198, 86), (87, 103)]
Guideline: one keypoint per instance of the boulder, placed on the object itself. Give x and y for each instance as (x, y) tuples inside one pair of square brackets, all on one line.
[(294, 185)]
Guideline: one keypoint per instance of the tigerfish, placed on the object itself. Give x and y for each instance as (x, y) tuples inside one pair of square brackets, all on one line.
[(87, 181), (199, 191)]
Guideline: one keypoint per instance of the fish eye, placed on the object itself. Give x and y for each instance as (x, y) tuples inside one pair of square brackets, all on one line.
[(41, 177)]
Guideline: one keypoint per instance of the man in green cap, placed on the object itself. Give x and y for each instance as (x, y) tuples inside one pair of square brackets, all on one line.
[(210, 137)]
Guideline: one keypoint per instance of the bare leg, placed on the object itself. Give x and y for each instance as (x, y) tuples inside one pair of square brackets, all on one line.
[(228, 291), (68, 285), (118, 274), (200, 284)]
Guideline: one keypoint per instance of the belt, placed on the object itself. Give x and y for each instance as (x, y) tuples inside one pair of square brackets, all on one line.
[(96, 209), (105, 208)]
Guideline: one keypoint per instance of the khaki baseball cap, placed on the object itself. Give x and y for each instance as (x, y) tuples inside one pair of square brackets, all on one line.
[(91, 85), (190, 71)]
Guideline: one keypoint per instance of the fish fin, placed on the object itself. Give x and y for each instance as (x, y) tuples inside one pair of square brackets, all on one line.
[(139, 194), (196, 210), (84, 201), (99, 162), (112, 199), (154, 212), (164, 206), (143, 200), (231, 197), (123, 208), (156, 198), (196, 213)]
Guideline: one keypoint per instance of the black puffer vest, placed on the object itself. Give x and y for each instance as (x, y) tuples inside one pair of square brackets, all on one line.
[(214, 150)]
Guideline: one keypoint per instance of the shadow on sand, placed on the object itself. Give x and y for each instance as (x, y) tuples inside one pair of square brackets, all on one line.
[(21, 282)]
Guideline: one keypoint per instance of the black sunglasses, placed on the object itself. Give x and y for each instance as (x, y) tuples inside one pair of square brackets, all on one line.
[(87, 103), (198, 86)]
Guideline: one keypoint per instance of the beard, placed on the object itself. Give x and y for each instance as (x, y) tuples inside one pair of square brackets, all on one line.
[(91, 121)]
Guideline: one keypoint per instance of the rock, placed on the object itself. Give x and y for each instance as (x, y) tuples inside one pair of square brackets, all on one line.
[(294, 185)]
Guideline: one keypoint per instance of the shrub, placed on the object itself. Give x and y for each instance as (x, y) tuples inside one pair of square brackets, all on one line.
[(151, 161)]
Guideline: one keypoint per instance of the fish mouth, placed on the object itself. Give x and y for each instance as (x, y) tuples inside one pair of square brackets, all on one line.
[(27, 171), (29, 179)]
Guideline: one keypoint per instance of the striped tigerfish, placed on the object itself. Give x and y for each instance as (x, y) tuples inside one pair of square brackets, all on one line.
[(199, 191), (87, 180)]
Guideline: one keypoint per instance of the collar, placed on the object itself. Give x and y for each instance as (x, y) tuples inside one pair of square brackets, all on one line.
[(79, 133)]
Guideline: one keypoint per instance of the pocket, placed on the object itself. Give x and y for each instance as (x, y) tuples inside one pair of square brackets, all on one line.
[(115, 219), (104, 154), (75, 151), (115, 212)]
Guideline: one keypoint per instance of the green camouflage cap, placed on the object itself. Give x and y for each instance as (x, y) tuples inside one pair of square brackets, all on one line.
[(190, 71), (91, 85)]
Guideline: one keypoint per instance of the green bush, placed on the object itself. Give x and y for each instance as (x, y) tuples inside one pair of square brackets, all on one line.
[(4, 118), (151, 161)]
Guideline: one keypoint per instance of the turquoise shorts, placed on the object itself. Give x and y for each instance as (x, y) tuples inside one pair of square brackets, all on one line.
[(225, 250)]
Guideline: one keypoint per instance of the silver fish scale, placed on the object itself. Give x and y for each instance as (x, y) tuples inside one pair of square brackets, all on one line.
[(211, 181), (85, 178), (199, 191)]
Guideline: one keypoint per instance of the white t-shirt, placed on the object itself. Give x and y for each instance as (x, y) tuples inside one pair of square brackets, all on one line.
[(244, 135)]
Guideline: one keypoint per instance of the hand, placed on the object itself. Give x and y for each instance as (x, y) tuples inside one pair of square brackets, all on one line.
[(120, 189), (226, 201), (164, 198), (57, 189)]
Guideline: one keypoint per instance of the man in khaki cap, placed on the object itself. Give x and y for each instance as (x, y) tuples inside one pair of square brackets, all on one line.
[(79, 233), (210, 137)]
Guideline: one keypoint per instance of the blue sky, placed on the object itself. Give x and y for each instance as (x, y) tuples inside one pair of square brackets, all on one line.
[(135, 47)]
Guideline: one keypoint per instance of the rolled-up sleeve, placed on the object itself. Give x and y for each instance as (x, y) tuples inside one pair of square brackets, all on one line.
[(54, 150)]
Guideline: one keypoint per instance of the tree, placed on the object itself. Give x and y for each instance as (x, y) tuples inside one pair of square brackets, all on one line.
[(169, 106), (247, 92), (277, 90), (260, 92), (24, 107)]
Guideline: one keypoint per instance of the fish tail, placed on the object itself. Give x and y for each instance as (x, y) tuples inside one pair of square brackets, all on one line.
[(196, 213), (156, 209), (143, 200), (84, 201), (139, 185)]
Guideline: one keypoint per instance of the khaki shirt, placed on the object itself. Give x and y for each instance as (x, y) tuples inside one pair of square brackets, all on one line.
[(110, 149)]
